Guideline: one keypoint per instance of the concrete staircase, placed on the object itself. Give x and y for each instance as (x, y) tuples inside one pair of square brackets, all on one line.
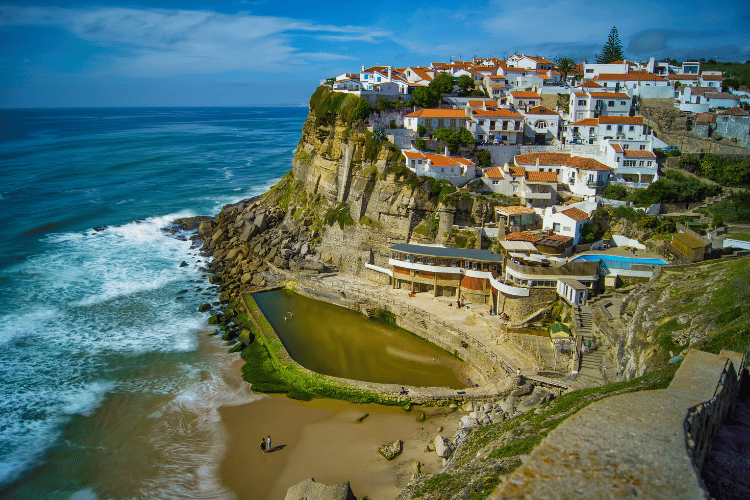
[(589, 373)]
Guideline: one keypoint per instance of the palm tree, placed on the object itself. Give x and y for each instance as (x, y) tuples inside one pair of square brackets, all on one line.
[(565, 66)]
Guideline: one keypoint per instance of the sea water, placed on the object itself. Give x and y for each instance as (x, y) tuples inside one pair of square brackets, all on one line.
[(109, 383)]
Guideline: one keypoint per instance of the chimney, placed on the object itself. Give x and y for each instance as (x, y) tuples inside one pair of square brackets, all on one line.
[(390, 72), (363, 68), (537, 164), (447, 153)]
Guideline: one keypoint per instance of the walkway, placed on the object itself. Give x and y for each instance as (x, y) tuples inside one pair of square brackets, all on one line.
[(626, 446), (590, 371)]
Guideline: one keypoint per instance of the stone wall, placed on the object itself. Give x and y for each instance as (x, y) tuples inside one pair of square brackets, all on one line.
[(703, 419), (522, 307), (377, 277)]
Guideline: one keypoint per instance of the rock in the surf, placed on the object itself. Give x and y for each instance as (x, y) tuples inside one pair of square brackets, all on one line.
[(310, 490), (391, 450)]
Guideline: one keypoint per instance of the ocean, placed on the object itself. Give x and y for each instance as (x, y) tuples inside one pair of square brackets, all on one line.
[(109, 383)]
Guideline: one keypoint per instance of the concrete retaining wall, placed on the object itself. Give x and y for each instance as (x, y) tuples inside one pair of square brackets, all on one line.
[(703, 419)]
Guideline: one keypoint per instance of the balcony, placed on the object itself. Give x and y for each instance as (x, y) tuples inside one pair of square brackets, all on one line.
[(513, 291), (596, 184)]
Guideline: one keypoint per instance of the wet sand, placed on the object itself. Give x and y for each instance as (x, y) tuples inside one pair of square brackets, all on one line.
[(321, 439)]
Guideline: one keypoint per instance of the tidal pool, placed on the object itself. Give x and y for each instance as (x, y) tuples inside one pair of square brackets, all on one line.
[(336, 341)]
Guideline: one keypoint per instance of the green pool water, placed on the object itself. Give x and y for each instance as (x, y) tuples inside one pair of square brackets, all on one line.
[(340, 342)]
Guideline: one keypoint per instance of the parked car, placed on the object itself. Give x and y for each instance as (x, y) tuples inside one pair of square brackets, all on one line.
[(670, 149)]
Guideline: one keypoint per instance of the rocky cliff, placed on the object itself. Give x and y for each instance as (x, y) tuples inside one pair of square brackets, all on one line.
[(347, 199)]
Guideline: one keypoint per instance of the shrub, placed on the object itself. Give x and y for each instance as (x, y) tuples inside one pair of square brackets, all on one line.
[(613, 192)]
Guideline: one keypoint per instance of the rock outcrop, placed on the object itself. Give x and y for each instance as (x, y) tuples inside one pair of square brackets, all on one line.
[(310, 490)]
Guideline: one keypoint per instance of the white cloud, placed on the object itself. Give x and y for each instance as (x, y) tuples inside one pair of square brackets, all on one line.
[(158, 41)]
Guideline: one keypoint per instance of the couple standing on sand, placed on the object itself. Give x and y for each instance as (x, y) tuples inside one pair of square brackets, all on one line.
[(265, 444)]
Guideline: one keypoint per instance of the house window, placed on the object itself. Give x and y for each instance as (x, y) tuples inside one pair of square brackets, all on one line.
[(643, 147), (609, 127), (611, 103), (626, 146), (631, 128), (495, 182), (622, 103), (540, 124), (581, 103), (556, 226), (628, 163), (640, 164)]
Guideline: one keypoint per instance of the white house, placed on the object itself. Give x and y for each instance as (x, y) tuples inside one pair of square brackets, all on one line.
[(684, 80), (433, 119), (455, 169), (542, 125), (529, 62), (347, 84), (592, 70), (567, 222), (535, 189), (524, 100), (632, 167), (585, 177), (595, 130), (592, 104), (711, 79), (417, 74), (512, 74), (701, 99), (631, 80), (499, 125)]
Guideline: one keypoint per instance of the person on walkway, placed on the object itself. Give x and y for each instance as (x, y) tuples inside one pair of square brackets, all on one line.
[(268, 443), (263, 445), (403, 391), (469, 382)]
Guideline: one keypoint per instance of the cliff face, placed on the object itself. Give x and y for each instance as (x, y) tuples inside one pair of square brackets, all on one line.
[(347, 199), (702, 305)]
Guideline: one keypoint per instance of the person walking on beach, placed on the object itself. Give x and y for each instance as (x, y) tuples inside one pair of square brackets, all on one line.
[(263, 445), (268, 443)]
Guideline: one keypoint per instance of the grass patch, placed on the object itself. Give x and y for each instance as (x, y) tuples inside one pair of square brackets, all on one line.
[(340, 214), (739, 236)]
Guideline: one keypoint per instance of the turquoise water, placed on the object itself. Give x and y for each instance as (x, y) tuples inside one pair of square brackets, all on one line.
[(101, 365), (617, 262)]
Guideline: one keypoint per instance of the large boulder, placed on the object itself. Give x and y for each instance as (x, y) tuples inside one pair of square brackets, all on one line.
[(443, 446), (258, 280), (206, 228), (310, 490), (248, 231), (312, 265), (391, 450)]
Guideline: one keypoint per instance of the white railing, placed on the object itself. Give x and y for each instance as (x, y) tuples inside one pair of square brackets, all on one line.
[(509, 290), (439, 269), (383, 270)]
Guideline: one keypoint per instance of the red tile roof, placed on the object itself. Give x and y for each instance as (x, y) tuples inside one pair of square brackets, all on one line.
[(503, 113), (734, 112), (711, 77), (541, 176), (590, 84), (587, 122), (514, 210), (633, 76), (616, 147), (541, 110), (494, 173), (525, 95), (522, 236), (621, 120), (517, 171), (438, 113), (616, 95), (558, 237), (639, 154), (575, 214), (683, 77), (560, 159)]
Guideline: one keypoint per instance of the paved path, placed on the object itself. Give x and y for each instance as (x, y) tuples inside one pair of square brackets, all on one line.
[(626, 446)]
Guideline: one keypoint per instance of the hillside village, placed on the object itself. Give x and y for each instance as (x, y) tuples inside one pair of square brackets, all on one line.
[(546, 143)]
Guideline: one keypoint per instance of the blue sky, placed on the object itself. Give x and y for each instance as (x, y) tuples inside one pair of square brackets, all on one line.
[(144, 53)]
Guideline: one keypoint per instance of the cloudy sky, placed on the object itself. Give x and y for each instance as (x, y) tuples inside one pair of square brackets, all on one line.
[(275, 52)]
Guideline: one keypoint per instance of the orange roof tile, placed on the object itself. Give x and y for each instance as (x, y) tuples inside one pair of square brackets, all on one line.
[(541, 110), (502, 113), (541, 176), (581, 94), (621, 120), (544, 158), (521, 236), (514, 210), (616, 147), (560, 159), (683, 77), (558, 237), (633, 76), (711, 77), (590, 84), (575, 214), (526, 95), (494, 173), (639, 154), (438, 113), (517, 171), (618, 95)]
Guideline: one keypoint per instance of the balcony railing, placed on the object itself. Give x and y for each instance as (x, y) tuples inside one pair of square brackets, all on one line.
[(596, 184)]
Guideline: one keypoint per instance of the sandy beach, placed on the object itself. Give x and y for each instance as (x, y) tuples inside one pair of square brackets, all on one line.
[(321, 439)]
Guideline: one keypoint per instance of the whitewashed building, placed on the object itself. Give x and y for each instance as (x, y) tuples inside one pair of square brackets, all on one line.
[(592, 104), (542, 125), (567, 222), (452, 168)]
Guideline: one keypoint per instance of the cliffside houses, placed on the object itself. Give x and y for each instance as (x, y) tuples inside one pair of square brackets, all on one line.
[(455, 169)]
